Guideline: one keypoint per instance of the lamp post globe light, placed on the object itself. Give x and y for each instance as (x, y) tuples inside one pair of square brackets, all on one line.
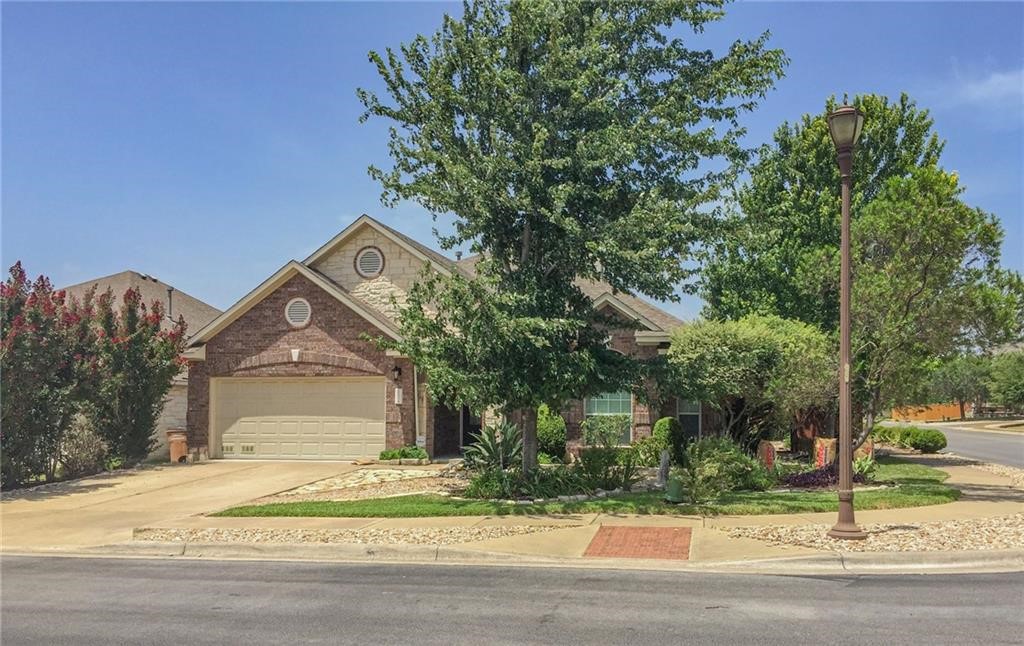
[(845, 124)]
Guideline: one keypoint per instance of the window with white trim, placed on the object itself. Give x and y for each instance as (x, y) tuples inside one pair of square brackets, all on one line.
[(298, 312), (688, 413), (618, 403)]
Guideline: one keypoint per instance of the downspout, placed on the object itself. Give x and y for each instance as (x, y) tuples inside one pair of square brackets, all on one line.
[(416, 404)]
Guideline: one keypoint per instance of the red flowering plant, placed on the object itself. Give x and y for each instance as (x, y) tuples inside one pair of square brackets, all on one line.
[(138, 350), (72, 369), (42, 353)]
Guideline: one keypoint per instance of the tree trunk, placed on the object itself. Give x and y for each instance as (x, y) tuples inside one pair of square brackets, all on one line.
[(528, 425), (962, 409)]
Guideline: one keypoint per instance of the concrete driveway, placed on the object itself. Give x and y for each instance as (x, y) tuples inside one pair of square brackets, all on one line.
[(104, 509)]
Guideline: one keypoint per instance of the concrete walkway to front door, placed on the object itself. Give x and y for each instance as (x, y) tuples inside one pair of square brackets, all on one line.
[(104, 509)]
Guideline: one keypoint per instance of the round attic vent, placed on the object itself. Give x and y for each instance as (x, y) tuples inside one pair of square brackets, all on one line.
[(297, 311), (369, 262)]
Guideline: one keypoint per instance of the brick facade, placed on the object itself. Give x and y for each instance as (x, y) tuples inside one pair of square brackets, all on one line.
[(621, 340), (259, 344)]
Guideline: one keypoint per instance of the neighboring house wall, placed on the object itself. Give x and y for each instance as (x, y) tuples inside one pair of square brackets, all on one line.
[(259, 344), (173, 416), (401, 268)]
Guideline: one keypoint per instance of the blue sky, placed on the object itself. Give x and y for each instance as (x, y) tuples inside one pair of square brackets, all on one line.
[(208, 144)]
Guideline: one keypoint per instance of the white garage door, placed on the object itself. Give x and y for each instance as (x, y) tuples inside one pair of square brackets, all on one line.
[(299, 419)]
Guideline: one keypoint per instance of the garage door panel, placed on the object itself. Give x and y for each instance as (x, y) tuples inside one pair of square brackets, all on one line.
[(300, 418)]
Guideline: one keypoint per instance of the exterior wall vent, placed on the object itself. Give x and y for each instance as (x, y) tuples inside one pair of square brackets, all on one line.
[(297, 311), (369, 262)]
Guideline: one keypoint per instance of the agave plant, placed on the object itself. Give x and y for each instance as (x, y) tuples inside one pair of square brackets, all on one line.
[(498, 446)]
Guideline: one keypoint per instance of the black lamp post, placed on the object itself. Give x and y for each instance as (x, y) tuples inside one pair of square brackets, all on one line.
[(845, 124)]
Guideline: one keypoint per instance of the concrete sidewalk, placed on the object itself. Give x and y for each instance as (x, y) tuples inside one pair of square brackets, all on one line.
[(566, 539)]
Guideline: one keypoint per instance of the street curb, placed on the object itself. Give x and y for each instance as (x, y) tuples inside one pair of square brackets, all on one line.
[(852, 563)]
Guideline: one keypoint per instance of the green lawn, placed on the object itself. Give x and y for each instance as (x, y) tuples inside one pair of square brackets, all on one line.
[(917, 486)]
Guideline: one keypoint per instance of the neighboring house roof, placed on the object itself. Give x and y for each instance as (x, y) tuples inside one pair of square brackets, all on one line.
[(195, 312), (650, 315)]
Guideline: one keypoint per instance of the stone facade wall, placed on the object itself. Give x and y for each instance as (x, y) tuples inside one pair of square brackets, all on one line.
[(401, 269), (259, 344)]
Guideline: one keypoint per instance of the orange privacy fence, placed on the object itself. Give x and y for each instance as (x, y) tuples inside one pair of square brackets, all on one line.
[(930, 413)]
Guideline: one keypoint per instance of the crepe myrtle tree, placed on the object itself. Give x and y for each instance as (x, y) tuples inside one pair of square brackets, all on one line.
[(46, 371), (568, 140), (137, 361)]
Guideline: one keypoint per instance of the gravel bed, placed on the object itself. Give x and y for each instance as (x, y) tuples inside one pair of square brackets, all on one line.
[(359, 478), (369, 536), (1000, 532), (389, 489)]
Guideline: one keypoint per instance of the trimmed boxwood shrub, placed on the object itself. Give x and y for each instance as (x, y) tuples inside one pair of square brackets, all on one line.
[(926, 440)]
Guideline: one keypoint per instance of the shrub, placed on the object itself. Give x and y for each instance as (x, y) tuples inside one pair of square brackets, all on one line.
[(406, 452), (702, 473), (671, 430), (493, 483), (607, 468), (548, 483), (744, 473), (926, 440), (884, 433), (550, 433), (606, 430), (648, 451), (865, 466), (498, 446), (82, 451), (827, 476), (512, 483)]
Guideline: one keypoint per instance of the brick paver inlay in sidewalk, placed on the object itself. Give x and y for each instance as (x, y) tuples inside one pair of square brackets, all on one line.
[(641, 543)]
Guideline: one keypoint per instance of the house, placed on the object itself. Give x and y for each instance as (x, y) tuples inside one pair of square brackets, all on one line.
[(289, 371), (175, 303)]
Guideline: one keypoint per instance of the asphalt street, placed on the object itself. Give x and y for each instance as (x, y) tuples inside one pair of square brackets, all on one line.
[(1001, 448), (53, 601)]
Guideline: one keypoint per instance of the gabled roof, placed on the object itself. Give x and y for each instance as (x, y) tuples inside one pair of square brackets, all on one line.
[(195, 312), (601, 293), (293, 268), (421, 251)]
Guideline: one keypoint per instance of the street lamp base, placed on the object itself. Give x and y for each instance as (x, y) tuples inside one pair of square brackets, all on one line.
[(847, 532)]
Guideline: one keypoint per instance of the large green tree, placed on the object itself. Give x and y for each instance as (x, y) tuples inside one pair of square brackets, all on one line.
[(1006, 381), (961, 379), (926, 276), (784, 222), (927, 284), (569, 140)]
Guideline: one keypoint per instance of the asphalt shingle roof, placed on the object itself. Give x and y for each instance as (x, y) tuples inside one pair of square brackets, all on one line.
[(196, 313)]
